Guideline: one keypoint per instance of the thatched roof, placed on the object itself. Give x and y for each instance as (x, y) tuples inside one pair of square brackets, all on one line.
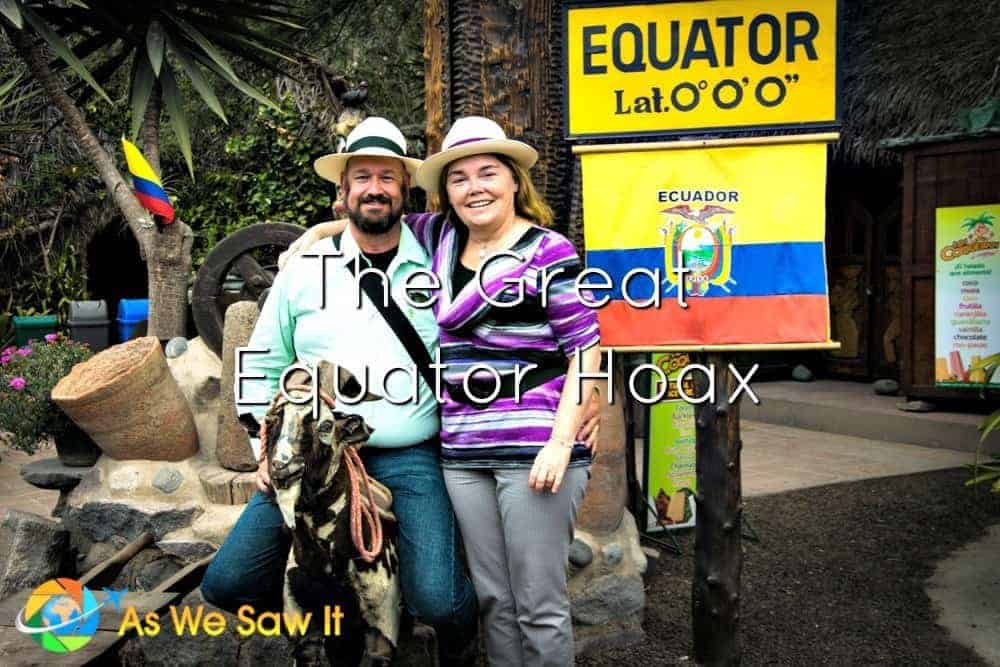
[(907, 68)]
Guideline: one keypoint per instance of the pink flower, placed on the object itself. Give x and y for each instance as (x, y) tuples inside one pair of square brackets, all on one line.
[(51, 338), (24, 351), (17, 383), (7, 351), (4, 359)]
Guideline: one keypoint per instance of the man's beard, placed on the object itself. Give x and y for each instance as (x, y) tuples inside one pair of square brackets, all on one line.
[(375, 226)]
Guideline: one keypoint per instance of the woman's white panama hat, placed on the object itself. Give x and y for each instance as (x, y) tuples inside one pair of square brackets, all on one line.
[(373, 136), (472, 135)]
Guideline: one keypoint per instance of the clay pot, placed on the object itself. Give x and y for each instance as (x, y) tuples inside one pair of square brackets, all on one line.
[(126, 399)]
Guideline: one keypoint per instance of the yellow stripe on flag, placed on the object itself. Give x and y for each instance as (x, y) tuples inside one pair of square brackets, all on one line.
[(137, 164), (777, 192)]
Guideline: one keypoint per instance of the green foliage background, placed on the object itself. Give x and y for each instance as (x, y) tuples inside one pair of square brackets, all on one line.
[(256, 168)]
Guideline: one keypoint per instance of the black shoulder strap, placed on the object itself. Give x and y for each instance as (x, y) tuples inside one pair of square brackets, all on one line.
[(399, 324)]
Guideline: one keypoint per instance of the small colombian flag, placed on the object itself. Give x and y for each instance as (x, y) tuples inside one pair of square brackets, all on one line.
[(147, 185)]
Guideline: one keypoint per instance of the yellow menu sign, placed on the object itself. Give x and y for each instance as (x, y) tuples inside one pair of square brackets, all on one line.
[(667, 68)]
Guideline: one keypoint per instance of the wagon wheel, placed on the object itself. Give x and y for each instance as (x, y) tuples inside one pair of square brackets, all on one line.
[(251, 254)]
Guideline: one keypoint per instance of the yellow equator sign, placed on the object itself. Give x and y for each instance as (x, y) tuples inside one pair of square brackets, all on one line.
[(676, 67)]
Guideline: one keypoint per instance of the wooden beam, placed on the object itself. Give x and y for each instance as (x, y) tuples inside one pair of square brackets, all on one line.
[(718, 563), (104, 573), (824, 137), (437, 72)]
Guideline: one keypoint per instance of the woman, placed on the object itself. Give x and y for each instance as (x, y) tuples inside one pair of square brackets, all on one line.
[(513, 468)]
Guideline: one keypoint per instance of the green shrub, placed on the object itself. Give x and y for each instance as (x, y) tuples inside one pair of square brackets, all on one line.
[(27, 376)]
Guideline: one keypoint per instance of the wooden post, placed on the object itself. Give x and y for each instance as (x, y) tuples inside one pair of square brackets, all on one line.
[(715, 599)]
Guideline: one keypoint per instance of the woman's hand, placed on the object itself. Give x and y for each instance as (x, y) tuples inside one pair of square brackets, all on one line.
[(311, 236), (550, 467)]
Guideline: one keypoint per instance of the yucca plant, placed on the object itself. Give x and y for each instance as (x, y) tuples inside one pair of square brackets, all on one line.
[(987, 472), (159, 43)]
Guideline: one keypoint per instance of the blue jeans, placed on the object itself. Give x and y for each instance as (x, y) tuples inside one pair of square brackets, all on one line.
[(250, 565)]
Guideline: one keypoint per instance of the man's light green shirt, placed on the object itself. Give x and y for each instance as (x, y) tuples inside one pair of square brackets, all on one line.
[(294, 327)]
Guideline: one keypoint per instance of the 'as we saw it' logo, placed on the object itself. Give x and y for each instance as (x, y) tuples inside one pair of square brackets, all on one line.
[(704, 245), (62, 615)]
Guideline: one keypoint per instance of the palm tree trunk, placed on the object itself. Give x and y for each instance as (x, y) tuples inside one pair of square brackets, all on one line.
[(168, 262), (168, 253)]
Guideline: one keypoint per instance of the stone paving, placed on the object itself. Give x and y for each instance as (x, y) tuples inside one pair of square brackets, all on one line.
[(775, 459), (782, 458), (15, 493)]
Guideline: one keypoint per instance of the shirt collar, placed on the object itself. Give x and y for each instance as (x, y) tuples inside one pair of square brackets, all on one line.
[(409, 249)]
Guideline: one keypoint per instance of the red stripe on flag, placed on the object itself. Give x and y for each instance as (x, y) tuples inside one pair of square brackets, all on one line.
[(800, 318), (156, 206)]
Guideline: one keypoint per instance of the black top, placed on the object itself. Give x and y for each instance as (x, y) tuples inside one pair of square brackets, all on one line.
[(381, 260), (461, 277)]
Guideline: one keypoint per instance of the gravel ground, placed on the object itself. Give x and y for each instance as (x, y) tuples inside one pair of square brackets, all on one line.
[(837, 579)]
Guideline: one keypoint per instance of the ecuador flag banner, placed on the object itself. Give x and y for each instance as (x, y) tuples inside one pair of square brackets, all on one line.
[(148, 188), (746, 221)]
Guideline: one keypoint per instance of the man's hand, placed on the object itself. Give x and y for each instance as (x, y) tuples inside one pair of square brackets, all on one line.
[(590, 429), (263, 478), (311, 236), (299, 246)]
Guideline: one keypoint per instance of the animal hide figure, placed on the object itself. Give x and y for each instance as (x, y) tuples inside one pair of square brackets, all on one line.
[(310, 477)]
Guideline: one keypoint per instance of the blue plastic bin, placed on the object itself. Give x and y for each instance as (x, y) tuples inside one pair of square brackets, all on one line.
[(130, 313)]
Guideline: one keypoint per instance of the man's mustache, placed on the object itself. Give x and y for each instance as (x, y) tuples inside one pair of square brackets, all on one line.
[(375, 199)]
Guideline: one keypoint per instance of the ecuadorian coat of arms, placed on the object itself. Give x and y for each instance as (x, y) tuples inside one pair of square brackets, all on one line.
[(703, 243)]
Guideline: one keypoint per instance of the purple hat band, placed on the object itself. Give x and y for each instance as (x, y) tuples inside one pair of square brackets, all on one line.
[(470, 140)]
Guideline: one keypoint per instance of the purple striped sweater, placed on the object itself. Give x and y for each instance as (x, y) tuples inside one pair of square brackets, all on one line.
[(505, 434)]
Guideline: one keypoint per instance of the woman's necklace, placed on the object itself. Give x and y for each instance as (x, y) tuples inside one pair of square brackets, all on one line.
[(487, 246)]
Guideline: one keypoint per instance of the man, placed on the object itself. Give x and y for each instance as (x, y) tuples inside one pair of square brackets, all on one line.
[(299, 322)]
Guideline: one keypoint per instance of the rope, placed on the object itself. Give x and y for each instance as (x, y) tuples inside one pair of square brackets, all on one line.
[(362, 514)]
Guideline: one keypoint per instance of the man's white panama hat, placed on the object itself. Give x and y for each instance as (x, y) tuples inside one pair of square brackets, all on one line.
[(473, 135), (373, 136)]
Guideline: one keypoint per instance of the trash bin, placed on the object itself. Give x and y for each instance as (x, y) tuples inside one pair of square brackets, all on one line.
[(27, 327), (130, 313), (88, 323)]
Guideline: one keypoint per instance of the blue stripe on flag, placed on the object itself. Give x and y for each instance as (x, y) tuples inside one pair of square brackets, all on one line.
[(759, 269)]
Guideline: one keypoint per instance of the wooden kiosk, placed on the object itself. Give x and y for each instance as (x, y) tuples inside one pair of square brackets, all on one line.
[(938, 172)]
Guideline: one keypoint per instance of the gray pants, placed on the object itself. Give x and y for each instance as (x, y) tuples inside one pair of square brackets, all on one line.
[(517, 542)]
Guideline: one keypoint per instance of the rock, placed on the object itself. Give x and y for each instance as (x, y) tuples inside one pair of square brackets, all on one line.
[(175, 347), (620, 632), (146, 570), (100, 521), (885, 387), (612, 554), (650, 552), (51, 474), (95, 555), (261, 650), (33, 549), (168, 479), (198, 373), (607, 598), (916, 406), (168, 649), (215, 523), (232, 445), (417, 648), (124, 479), (147, 483), (604, 501), (802, 374), (580, 554), (188, 551)]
